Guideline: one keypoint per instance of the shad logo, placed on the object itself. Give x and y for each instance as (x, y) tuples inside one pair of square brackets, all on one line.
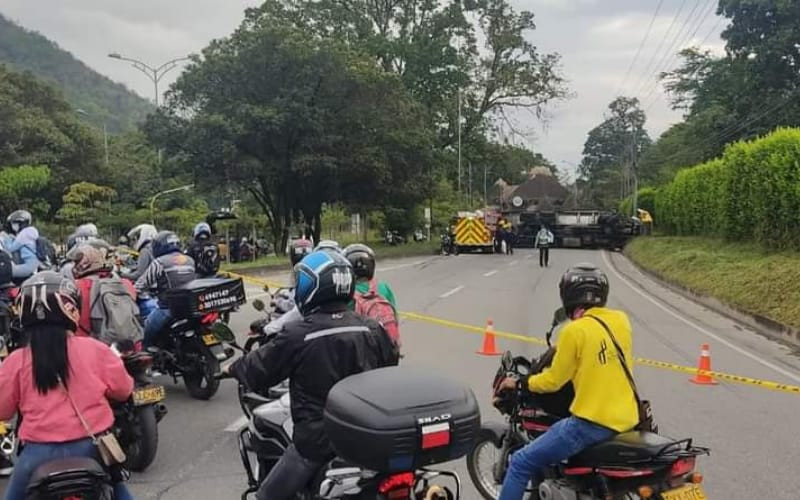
[(438, 418), (343, 281)]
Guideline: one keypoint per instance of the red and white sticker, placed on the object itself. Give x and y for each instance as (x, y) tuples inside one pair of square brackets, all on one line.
[(435, 436)]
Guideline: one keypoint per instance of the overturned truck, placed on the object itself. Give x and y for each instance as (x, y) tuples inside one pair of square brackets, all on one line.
[(579, 229)]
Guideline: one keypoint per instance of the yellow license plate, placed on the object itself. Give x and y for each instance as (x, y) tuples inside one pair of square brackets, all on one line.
[(3, 429), (210, 339), (3, 353), (688, 492), (148, 395)]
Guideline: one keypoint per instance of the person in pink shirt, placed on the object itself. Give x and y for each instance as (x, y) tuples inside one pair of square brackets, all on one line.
[(35, 381)]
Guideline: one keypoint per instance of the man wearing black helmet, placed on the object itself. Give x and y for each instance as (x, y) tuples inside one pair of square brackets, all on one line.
[(590, 353), (170, 268), (331, 343), (362, 258)]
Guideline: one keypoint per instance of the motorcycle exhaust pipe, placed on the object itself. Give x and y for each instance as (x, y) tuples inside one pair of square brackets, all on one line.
[(160, 410)]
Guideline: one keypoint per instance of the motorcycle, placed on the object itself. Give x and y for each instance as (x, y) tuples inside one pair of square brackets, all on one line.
[(446, 245), (194, 345), (630, 465), (268, 433), (136, 420), (393, 238), (72, 477)]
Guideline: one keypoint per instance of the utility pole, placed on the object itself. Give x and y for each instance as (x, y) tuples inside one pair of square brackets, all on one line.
[(459, 141)]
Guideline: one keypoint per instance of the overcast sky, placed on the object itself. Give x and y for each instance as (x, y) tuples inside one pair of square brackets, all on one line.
[(598, 40)]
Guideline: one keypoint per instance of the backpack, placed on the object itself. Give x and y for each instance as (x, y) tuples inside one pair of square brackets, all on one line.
[(46, 253), (207, 259), (113, 312), (6, 266), (373, 305)]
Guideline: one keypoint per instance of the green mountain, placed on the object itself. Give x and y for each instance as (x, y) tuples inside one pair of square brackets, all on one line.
[(102, 99)]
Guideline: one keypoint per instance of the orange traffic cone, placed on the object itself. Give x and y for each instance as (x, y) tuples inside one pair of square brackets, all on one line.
[(489, 347), (704, 365)]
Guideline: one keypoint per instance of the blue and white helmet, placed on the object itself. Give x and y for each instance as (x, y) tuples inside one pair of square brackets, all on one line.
[(201, 228), (320, 278)]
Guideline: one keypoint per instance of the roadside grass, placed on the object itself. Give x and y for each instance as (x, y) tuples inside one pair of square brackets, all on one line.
[(382, 251), (741, 274)]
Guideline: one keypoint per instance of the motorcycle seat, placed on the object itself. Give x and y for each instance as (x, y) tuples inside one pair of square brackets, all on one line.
[(623, 448), (67, 470)]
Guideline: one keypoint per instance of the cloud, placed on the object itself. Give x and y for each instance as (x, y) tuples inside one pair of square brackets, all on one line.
[(597, 39)]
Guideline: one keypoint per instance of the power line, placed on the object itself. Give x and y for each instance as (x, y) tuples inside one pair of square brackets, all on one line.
[(639, 50), (676, 55), (661, 43), (646, 82)]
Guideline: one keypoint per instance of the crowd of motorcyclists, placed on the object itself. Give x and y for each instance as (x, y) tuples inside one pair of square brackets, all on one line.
[(336, 320)]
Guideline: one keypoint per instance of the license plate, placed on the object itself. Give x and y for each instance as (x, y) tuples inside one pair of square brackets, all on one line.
[(147, 395), (688, 492), (210, 339), (3, 352)]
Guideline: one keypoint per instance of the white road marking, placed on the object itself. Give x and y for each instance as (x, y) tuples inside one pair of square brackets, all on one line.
[(400, 266), (451, 292), (699, 328), (490, 273)]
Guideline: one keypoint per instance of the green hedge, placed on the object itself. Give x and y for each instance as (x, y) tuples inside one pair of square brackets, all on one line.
[(645, 199), (752, 193)]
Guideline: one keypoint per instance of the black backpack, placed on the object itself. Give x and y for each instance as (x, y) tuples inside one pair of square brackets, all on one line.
[(206, 258), (46, 253), (6, 265)]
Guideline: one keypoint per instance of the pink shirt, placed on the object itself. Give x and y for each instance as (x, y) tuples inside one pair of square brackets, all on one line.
[(96, 375)]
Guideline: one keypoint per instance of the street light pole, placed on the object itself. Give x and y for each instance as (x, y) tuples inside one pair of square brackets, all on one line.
[(155, 196), (153, 73), (105, 133)]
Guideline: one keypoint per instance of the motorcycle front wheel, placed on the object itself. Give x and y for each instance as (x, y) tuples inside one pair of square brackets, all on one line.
[(200, 381), (480, 463), (141, 451)]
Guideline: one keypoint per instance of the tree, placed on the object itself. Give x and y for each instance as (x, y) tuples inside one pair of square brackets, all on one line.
[(40, 128), (294, 120), (611, 152), (84, 202), (23, 186)]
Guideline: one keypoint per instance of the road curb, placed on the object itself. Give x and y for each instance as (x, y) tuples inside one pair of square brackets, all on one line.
[(759, 323)]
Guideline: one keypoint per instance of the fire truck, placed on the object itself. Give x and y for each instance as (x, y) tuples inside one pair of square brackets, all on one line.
[(474, 231)]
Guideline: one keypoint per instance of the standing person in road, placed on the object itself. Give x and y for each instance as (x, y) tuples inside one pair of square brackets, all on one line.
[(170, 269), (331, 343), (588, 356), (544, 238), (39, 380)]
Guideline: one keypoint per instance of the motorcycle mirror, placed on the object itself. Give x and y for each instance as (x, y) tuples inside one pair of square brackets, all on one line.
[(259, 305), (223, 333), (507, 360), (559, 316)]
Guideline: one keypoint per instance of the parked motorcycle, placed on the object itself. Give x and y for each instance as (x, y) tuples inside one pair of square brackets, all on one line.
[(393, 238), (193, 345), (403, 439), (630, 465), (447, 245)]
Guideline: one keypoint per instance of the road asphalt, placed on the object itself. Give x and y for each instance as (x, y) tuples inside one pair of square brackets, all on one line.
[(751, 431)]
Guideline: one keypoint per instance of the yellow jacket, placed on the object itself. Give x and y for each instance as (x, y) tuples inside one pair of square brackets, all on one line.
[(586, 355)]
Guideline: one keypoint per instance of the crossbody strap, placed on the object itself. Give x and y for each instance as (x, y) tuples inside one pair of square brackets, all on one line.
[(77, 412), (621, 356)]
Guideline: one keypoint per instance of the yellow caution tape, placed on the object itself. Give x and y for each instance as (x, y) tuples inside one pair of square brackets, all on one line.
[(737, 379)]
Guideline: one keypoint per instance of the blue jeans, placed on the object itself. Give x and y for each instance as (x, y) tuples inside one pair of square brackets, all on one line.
[(35, 454), (565, 438), (288, 477), (155, 324)]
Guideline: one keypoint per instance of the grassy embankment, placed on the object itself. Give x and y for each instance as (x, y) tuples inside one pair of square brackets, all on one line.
[(381, 251), (742, 275)]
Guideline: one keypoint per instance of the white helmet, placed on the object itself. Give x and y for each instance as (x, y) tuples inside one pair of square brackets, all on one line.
[(142, 234)]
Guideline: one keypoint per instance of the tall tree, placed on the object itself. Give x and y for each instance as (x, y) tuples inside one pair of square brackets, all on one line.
[(611, 152)]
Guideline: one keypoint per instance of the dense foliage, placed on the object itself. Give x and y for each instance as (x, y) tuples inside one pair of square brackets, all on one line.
[(749, 194), (103, 100)]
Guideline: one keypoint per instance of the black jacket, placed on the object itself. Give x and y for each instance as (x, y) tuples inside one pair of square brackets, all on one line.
[(315, 353)]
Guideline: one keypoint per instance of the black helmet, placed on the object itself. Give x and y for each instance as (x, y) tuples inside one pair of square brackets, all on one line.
[(166, 242), (362, 258), (583, 285), (322, 277), (299, 249), (18, 221), (49, 298)]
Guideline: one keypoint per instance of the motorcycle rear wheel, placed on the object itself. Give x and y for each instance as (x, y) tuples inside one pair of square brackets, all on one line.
[(480, 464), (200, 382), (142, 451)]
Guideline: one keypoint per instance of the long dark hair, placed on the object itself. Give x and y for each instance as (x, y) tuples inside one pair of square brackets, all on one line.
[(48, 345)]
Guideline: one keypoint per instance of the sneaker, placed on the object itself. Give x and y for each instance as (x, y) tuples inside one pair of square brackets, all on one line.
[(6, 466)]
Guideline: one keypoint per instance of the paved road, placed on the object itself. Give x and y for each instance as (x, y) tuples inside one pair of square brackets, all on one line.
[(752, 432)]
